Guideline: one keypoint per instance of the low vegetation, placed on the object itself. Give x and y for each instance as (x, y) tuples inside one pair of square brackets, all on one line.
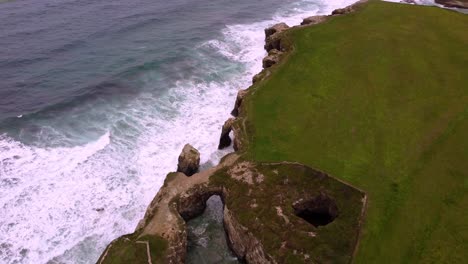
[(130, 249), (281, 203), (379, 99)]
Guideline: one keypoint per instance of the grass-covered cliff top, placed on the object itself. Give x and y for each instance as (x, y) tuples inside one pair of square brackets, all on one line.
[(378, 98), (298, 214)]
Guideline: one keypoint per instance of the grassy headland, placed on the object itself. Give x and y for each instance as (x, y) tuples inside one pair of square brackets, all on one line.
[(379, 98), (261, 196)]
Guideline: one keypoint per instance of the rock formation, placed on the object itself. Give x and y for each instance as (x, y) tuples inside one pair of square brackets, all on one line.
[(275, 29), (272, 58), (189, 160), (240, 96), (313, 20), (272, 36), (225, 140), (341, 11), (243, 243), (258, 77), (182, 198), (348, 9)]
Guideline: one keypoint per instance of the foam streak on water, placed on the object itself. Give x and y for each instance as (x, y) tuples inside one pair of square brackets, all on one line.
[(64, 204)]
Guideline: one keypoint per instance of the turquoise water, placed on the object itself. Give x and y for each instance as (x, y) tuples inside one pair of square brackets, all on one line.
[(206, 236), (97, 99)]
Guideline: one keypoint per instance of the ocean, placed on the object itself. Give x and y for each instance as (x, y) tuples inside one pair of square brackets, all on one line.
[(97, 99)]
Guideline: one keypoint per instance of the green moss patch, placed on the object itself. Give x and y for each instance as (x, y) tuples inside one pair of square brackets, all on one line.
[(261, 196)]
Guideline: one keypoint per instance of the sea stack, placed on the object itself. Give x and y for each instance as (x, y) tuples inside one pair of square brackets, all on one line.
[(189, 160)]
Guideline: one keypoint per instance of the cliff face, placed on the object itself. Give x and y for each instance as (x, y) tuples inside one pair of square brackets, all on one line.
[(271, 213), (244, 244), (180, 199), (260, 219)]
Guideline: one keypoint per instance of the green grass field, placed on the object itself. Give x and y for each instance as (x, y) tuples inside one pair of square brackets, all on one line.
[(379, 98)]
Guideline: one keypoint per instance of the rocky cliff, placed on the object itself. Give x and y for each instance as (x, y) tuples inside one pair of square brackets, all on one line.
[(271, 211)]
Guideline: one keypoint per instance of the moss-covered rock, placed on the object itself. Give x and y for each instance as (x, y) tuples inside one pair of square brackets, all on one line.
[(263, 225)]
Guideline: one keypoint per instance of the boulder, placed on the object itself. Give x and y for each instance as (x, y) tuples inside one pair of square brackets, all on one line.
[(272, 58), (189, 160), (348, 9), (313, 20), (225, 140), (237, 104)]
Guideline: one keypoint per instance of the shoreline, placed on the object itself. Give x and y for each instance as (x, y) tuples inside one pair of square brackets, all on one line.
[(276, 54), (186, 203)]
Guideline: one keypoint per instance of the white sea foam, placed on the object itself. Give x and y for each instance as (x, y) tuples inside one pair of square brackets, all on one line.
[(51, 198)]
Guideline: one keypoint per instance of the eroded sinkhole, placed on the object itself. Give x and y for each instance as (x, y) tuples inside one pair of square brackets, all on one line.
[(319, 210)]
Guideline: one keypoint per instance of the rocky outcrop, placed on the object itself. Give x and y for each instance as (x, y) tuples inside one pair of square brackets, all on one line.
[(257, 77), (225, 140), (275, 29), (240, 96), (189, 160), (273, 58), (273, 37), (348, 9), (313, 20), (180, 199), (342, 11), (261, 76), (193, 202), (243, 243), (238, 141), (453, 3)]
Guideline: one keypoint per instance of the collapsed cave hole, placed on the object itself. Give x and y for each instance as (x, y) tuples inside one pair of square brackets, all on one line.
[(319, 210), (206, 236)]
